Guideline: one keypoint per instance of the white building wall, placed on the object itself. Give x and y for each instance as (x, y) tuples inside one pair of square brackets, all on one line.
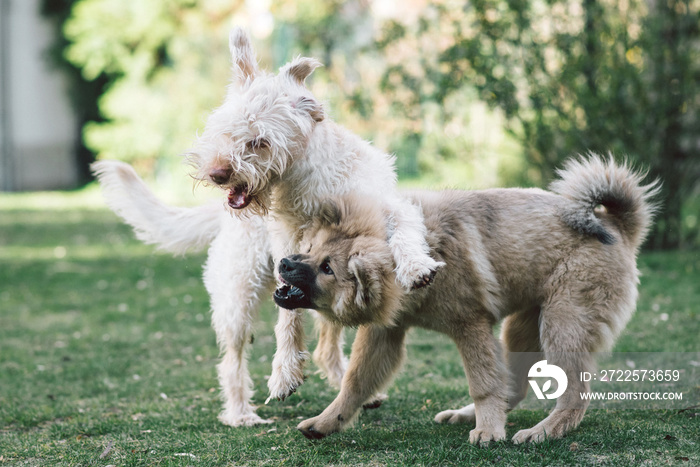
[(39, 127)]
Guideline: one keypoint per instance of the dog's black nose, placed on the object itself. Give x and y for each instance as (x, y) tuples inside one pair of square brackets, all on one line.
[(221, 175), (286, 265)]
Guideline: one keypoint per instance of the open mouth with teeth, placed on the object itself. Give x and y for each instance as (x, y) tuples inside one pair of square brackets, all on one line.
[(238, 197), (291, 297)]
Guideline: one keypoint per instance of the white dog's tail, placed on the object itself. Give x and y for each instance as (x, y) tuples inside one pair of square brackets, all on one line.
[(592, 181), (174, 229)]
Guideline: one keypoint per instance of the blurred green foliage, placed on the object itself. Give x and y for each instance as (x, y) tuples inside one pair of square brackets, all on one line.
[(569, 77), (157, 56), (467, 94)]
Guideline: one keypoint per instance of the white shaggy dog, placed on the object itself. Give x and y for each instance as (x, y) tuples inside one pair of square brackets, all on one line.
[(275, 151)]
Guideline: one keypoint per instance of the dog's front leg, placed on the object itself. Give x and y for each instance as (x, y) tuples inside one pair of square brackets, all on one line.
[(414, 266), (329, 356), (376, 355), (521, 341), (288, 363), (331, 360)]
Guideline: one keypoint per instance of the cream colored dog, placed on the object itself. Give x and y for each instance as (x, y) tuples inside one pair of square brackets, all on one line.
[(274, 150), (558, 268)]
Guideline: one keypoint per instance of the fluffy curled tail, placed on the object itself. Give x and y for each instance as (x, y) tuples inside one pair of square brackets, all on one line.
[(174, 229), (592, 181)]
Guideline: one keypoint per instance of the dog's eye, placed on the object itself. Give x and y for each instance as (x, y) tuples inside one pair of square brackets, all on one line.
[(326, 268), (258, 143)]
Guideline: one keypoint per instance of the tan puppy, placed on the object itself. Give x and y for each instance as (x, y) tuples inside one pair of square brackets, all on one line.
[(559, 268)]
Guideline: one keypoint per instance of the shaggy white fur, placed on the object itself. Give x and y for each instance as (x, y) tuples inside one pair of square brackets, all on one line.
[(272, 147)]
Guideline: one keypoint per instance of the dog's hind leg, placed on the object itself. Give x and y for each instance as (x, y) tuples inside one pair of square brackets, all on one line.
[(520, 335), (589, 299), (570, 407), (567, 338), (238, 275)]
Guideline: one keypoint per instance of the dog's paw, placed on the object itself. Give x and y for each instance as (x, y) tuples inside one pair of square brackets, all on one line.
[(531, 435), (318, 427), (464, 415), (483, 437), (375, 402), (418, 274), (281, 390), (308, 429), (538, 433), (287, 375), (424, 281), (244, 419), (282, 386), (556, 425)]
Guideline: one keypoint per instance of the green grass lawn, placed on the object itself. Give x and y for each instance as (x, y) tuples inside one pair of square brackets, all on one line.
[(107, 357)]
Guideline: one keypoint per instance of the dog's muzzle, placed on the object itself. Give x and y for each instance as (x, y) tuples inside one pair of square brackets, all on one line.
[(238, 196), (296, 278)]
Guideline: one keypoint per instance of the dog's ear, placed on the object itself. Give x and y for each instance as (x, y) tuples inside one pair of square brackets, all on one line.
[(310, 106), (368, 281), (297, 71), (245, 65), (300, 68), (377, 295), (330, 213)]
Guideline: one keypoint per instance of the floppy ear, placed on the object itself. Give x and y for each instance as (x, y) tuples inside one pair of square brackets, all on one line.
[(329, 213), (369, 281), (300, 68), (245, 66)]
